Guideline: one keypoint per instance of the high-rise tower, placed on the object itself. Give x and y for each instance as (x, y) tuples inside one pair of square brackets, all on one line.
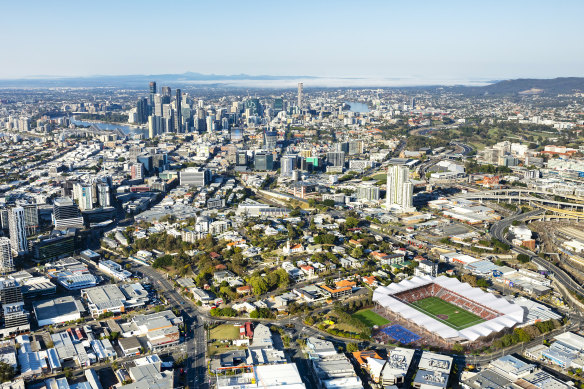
[(400, 190), (152, 93), (142, 110), (178, 112), (300, 89), (17, 227), (66, 214), (6, 261)]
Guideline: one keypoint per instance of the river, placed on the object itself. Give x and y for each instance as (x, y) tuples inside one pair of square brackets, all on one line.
[(355, 106), (108, 126)]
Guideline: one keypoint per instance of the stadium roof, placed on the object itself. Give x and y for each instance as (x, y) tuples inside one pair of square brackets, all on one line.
[(509, 314)]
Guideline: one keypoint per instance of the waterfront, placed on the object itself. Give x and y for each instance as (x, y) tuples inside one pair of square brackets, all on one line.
[(107, 126), (357, 107)]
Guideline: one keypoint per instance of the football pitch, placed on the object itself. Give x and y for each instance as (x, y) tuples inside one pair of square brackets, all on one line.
[(447, 313)]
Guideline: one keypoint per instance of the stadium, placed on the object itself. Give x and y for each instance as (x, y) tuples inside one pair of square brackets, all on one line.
[(445, 309)]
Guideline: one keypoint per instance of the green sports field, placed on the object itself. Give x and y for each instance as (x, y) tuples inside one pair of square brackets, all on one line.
[(447, 313), (370, 318)]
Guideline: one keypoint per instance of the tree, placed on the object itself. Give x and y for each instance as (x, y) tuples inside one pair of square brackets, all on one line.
[(329, 203), (259, 285), (457, 348), (351, 222), (6, 372), (523, 258), (523, 335), (261, 313), (295, 212), (352, 347), (357, 252), (283, 278), (482, 283)]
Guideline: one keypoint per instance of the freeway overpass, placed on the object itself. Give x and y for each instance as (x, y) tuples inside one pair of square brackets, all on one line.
[(536, 198), (498, 232)]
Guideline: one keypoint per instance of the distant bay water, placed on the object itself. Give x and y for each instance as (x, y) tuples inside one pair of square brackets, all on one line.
[(357, 107)]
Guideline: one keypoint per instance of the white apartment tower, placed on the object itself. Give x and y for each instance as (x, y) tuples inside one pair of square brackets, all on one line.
[(400, 190), (104, 195), (6, 261), (83, 193), (300, 90), (17, 228)]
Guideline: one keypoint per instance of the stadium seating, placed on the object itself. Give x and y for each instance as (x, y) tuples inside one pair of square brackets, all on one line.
[(434, 290)]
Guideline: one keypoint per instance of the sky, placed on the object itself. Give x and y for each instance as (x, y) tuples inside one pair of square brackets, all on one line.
[(412, 40)]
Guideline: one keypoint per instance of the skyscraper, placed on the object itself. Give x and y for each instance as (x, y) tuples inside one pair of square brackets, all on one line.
[(155, 126), (270, 140), (336, 158), (278, 104), (200, 120), (368, 192), (254, 106), (300, 89), (17, 227), (152, 93), (165, 91), (13, 312), (264, 161), (356, 147), (157, 105), (6, 261), (66, 214), (137, 171), (178, 112), (31, 218), (400, 190), (142, 110), (287, 165), (104, 195), (83, 193)]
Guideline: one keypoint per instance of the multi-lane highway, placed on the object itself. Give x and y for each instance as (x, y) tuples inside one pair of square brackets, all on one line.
[(196, 346), (465, 149), (498, 232)]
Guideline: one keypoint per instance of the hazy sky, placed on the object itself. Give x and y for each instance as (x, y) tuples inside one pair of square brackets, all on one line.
[(435, 40)]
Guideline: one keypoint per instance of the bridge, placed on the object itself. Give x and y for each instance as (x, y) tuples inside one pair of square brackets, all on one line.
[(555, 209)]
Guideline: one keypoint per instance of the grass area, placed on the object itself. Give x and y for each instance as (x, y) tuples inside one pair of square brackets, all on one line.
[(220, 348), (225, 332), (342, 325), (370, 318), (447, 313), (379, 176)]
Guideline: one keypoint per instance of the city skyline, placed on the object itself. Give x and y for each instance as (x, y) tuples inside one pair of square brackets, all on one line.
[(400, 43)]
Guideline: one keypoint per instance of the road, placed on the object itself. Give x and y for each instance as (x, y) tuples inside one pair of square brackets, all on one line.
[(196, 344), (466, 149), (498, 232)]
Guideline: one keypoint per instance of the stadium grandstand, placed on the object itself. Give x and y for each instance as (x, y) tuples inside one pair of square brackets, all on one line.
[(446, 309)]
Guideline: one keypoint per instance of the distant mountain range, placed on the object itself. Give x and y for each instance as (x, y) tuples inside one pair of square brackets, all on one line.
[(530, 86), (507, 87)]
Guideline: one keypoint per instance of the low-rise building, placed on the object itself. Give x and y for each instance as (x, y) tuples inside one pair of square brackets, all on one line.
[(115, 270), (394, 370), (433, 371), (58, 310), (130, 346), (115, 298)]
